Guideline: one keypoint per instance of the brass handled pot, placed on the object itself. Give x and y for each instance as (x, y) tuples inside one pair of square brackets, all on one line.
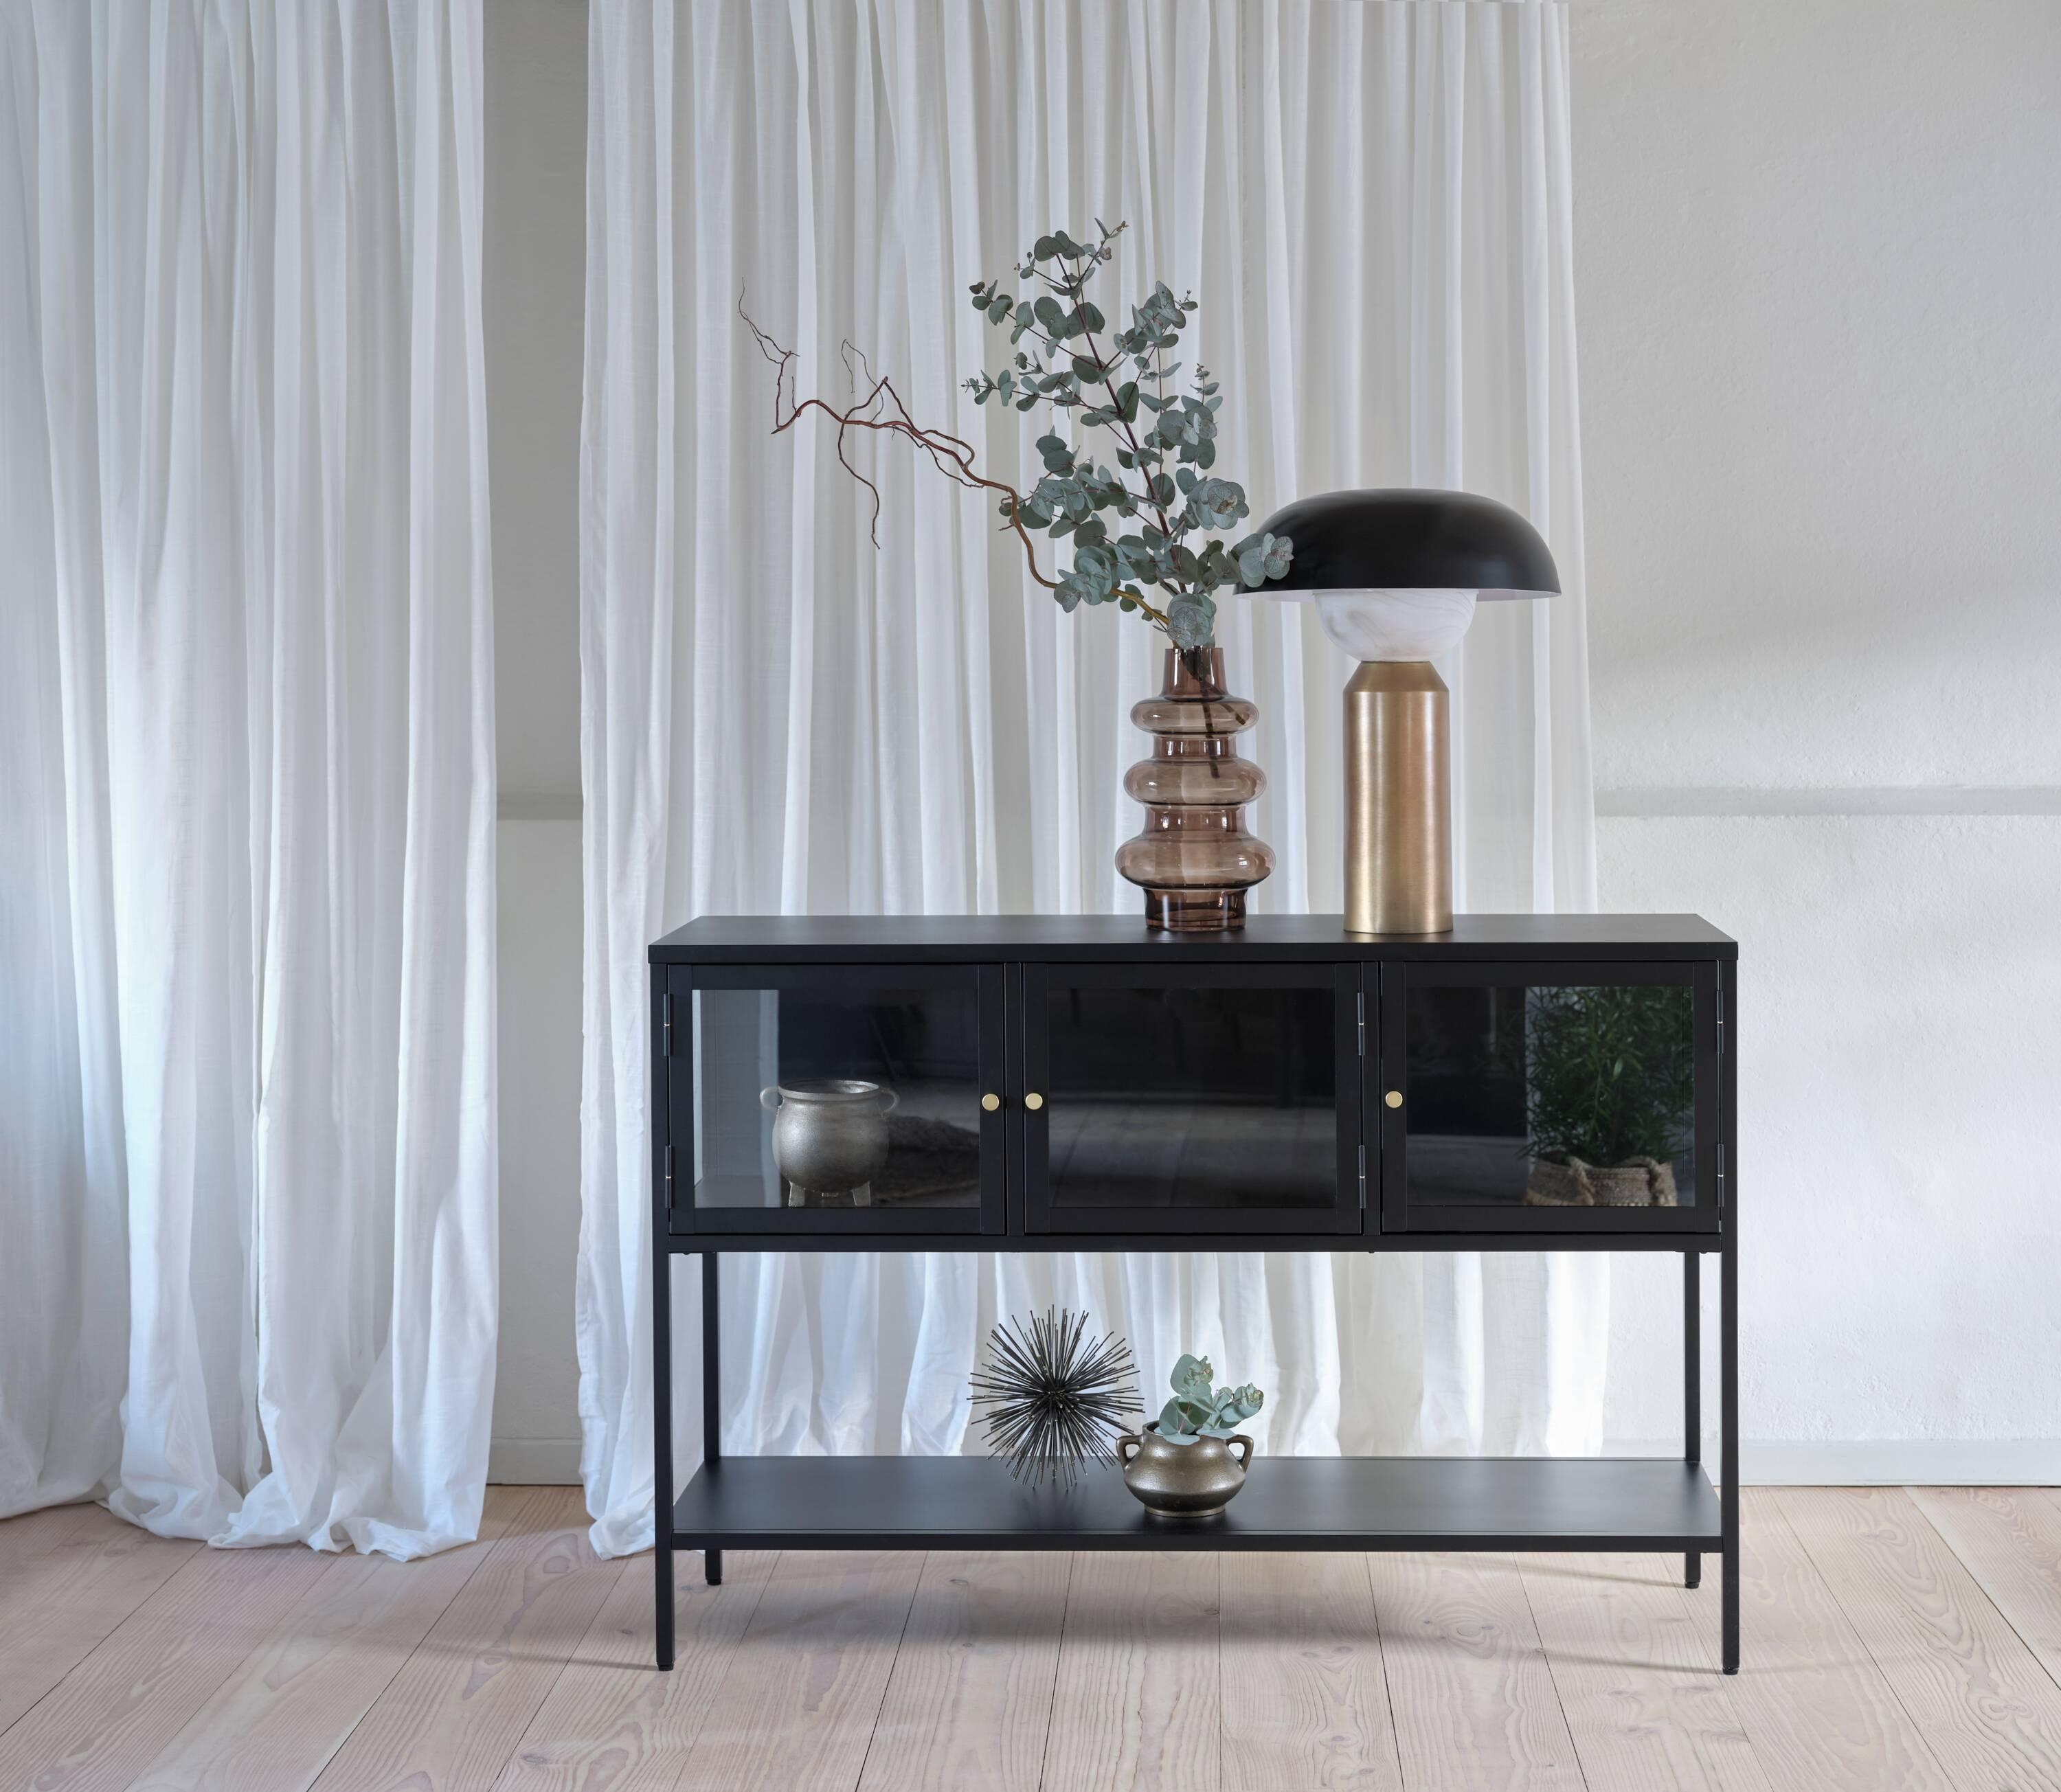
[(1195, 1480)]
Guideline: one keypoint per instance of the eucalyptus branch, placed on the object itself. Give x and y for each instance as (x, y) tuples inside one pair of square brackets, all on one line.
[(1069, 368)]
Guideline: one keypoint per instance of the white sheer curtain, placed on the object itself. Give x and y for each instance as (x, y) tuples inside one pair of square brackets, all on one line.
[(1371, 203), (247, 1197)]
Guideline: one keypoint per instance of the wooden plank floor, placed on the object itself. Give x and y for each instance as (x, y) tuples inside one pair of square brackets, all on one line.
[(1894, 1638)]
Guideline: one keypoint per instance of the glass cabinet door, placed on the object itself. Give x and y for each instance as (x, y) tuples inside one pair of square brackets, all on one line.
[(806, 1098), (1517, 1097), (1175, 1099)]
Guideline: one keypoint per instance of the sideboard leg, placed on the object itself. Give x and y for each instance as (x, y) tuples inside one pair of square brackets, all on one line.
[(1728, 1371), (711, 1390), (1692, 1387), (661, 1443)]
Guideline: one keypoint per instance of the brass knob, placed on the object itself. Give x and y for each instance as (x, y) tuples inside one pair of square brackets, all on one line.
[(1034, 1102), (991, 1102), (1394, 1098)]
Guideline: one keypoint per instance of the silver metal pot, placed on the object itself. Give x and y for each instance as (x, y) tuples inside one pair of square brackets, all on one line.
[(1195, 1480), (829, 1137)]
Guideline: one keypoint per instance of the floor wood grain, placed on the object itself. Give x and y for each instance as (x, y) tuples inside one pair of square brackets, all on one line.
[(1468, 1681), (1896, 1641), (454, 1714), (33, 1543), (2009, 1538), (1304, 1704), (275, 1722), (611, 1721), (1633, 1680), (68, 1577), (1134, 1706), (1987, 1708), (799, 1703), (1817, 1707), (107, 1718), (969, 1702)]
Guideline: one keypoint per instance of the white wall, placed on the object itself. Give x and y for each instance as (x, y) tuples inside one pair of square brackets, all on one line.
[(1818, 264), (535, 293), (1819, 283), (535, 297), (536, 1394)]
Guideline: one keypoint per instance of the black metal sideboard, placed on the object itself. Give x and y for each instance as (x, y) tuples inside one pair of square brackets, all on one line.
[(1039, 1083)]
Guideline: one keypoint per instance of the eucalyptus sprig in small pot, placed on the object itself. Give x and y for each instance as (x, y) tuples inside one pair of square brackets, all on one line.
[(1187, 1463)]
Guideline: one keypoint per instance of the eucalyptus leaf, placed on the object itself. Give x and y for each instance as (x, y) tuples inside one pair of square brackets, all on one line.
[(1123, 380), (1261, 558), (1200, 1410), (1188, 622)]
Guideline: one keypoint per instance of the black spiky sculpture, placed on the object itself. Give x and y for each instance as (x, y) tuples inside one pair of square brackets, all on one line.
[(1055, 1401)]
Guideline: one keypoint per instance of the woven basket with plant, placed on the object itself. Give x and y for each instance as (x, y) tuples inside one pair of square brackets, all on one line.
[(1610, 1093)]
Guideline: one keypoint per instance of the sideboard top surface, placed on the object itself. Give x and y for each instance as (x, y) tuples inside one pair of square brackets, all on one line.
[(884, 938)]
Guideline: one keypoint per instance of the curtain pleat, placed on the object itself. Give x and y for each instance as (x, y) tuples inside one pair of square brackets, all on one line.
[(793, 705), (247, 1174)]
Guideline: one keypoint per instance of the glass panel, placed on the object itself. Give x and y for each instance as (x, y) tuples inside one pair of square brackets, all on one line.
[(1552, 1094), (837, 1097), (1192, 1098)]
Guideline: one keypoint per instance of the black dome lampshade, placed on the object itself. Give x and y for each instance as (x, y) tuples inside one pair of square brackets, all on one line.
[(1406, 538), (1395, 575)]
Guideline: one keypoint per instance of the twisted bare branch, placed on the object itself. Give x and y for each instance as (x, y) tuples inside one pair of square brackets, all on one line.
[(879, 408)]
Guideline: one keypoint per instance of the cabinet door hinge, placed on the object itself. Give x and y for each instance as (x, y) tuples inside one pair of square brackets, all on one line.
[(666, 1025), (1721, 1023), (1360, 1000), (1363, 1178), (1721, 1173), (668, 1177)]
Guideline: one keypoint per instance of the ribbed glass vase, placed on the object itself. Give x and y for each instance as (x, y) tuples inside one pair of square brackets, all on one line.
[(1194, 857)]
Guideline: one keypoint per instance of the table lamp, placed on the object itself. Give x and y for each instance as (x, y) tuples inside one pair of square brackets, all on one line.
[(1395, 575)]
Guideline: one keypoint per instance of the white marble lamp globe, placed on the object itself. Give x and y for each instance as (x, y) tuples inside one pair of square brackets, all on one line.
[(1386, 627), (1395, 575)]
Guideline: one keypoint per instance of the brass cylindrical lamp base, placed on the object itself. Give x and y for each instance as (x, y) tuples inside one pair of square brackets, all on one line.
[(1399, 800)]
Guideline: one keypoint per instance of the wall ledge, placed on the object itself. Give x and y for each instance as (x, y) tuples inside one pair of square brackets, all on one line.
[(1911, 1461), (1879, 1461), (1912, 799), (534, 1461)]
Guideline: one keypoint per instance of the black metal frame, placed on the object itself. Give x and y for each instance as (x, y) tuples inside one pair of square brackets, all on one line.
[(698, 1518), (1042, 1218)]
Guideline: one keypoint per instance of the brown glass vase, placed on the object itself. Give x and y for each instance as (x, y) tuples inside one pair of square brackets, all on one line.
[(1194, 859)]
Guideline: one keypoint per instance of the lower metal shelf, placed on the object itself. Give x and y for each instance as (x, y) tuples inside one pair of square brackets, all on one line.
[(1289, 1502)]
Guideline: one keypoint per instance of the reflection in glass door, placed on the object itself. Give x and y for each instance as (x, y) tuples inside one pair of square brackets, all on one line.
[(1508, 1095), (830, 1098), (1208, 1100)]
